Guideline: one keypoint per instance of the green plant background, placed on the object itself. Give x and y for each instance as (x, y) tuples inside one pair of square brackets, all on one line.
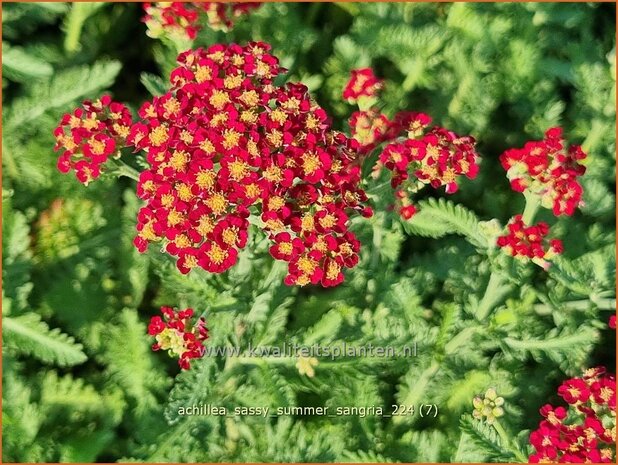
[(80, 382)]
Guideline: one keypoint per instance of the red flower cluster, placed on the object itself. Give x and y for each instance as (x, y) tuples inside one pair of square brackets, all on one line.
[(586, 431), (433, 156), (612, 321), (225, 143), (182, 19), (90, 135), (547, 169), (529, 243), (178, 335), (362, 83)]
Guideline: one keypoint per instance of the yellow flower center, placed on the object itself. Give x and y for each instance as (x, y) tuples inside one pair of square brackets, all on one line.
[(217, 203), (249, 98), (230, 236), (285, 248), (205, 179), (179, 160), (230, 138), (307, 265), (182, 241), (273, 174), (172, 106), (167, 200), (184, 192), (328, 221), (202, 73), (216, 254), (172, 340), (333, 270), (275, 203), (279, 116), (174, 217), (232, 82), (307, 222), (97, 146), (158, 136), (205, 226), (219, 99)]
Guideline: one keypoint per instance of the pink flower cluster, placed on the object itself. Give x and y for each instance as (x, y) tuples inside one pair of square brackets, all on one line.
[(90, 135), (585, 431)]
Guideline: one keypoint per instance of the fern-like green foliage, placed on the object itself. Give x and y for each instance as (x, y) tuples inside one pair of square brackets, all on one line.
[(29, 335)]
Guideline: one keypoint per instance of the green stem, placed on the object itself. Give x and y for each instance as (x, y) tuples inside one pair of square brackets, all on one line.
[(491, 297), (122, 169), (532, 206), (75, 21), (506, 441)]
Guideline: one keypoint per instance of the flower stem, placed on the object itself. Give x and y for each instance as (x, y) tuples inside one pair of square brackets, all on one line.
[(122, 169), (493, 293), (532, 206), (507, 443)]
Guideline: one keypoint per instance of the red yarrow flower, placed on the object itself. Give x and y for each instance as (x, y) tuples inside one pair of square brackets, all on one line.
[(177, 334), (225, 144), (90, 135), (362, 83), (549, 170), (612, 321), (586, 430), (433, 156), (370, 128), (529, 242), (183, 19)]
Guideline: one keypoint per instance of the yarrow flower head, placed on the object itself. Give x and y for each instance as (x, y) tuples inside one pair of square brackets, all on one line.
[(90, 135), (612, 321), (177, 334), (421, 156), (585, 431), (549, 170), (226, 143), (370, 128), (489, 407), (182, 19), (529, 242), (362, 83)]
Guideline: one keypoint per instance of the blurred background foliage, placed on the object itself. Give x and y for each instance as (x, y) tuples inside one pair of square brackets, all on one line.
[(79, 380)]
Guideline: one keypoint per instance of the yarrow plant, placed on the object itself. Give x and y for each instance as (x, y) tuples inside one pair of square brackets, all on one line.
[(179, 335), (90, 135), (584, 431), (183, 19)]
